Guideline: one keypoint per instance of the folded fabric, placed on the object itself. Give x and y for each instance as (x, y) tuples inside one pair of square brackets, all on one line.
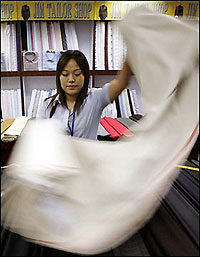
[(113, 133), (88, 197), (114, 127), (30, 60), (50, 59)]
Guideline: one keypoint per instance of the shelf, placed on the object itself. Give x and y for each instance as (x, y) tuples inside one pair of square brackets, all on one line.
[(10, 74), (38, 73), (51, 73), (105, 72)]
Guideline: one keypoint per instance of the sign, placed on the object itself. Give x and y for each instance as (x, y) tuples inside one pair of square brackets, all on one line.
[(116, 10), (90, 10), (8, 11), (63, 10)]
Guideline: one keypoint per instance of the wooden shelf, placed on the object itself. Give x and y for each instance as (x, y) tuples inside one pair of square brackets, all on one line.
[(38, 73), (51, 73), (105, 72), (10, 74)]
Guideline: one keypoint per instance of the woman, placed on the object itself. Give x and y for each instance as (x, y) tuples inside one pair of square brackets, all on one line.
[(80, 111)]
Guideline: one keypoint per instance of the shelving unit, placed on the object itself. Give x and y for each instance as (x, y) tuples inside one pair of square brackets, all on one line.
[(21, 74)]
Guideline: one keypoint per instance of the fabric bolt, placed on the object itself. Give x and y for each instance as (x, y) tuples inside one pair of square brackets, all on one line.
[(127, 104), (4, 105), (121, 104), (8, 46), (130, 102), (35, 106), (60, 45), (16, 104), (13, 104), (41, 50), (9, 97), (124, 106), (102, 45), (2, 37), (110, 43), (103, 193), (10, 43), (120, 51), (97, 41), (67, 33), (32, 36), (52, 29), (113, 132), (70, 35), (28, 36), (8, 107), (31, 104), (19, 101), (121, 129), (118, 107), (133, 102), (35, 36), (40, 36), (3, 62), (74, 36), (97, 47), (41, 100), (14, 47), (135, 93), (114, 115), (37, 42), (49, 33), (44, 38), (110, 111), (115, 46)]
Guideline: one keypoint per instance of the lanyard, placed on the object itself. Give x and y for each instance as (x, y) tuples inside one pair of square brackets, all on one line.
[(71, 128)]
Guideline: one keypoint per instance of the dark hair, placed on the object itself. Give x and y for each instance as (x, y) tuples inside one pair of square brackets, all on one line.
[(82, 62)]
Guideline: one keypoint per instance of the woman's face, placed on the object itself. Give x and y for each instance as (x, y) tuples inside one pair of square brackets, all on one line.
[(72, 78)]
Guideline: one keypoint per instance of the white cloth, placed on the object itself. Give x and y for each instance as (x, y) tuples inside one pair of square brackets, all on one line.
[(88, 197)]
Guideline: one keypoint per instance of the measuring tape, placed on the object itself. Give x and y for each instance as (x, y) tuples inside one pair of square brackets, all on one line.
[(187, 167)]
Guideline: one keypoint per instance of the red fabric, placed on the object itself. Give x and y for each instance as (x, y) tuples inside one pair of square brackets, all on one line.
[(113, 133), (114, 127)]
